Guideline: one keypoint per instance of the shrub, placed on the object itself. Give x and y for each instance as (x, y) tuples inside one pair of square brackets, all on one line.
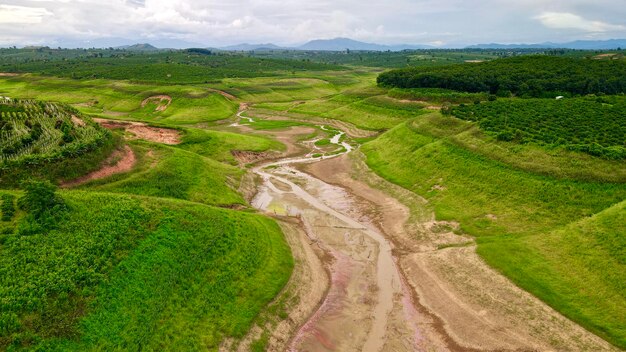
[(43, 205), (8, 207)]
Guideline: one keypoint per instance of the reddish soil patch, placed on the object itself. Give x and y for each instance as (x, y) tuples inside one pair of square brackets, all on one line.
[(125, 162), (223, 93), (162, 101), (77, 121), (143, 131)]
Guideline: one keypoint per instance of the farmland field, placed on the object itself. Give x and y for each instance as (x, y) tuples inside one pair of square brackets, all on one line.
[(206, 200)]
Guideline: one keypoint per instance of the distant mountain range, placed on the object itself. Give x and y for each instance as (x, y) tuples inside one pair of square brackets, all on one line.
[(337, 44), (578, 44)]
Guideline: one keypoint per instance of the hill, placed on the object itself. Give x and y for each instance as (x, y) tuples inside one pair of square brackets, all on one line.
[(47, 139), (138, 47)]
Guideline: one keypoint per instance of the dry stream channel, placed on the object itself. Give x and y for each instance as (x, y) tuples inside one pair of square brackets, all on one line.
[(367, 289), (405, 295)]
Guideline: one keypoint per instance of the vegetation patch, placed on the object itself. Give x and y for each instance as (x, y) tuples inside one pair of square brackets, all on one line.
[(533, 76), (39, 136), (593, 125), (118, 272)]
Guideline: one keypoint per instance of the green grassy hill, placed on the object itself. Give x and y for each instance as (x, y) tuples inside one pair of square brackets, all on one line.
[(127, 273), (524, 221)]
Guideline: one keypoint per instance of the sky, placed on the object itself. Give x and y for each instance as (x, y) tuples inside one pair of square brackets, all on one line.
[(292, 22)]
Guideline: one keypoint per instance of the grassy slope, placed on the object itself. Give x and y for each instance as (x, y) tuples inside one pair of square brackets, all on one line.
[(178, 174), (218, 144), (115, 99), (527, 207), (129, 273), (578, 269), (361, 104)]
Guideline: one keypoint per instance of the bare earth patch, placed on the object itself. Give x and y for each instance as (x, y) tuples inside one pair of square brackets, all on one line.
[(77, 121), (162, 101), (143, 131), (247, 157), (118, 162), (8, 74), (223, 93)]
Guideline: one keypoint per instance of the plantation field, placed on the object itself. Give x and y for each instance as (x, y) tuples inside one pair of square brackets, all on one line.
[(437, 95), (510, 211), (367, 108), (526, 76), (593, 125), (184, 66), (124, 272), (397, 59), (48, 139)]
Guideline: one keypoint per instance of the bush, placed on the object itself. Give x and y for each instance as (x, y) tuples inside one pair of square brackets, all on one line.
[(8, 207), (43, 205)]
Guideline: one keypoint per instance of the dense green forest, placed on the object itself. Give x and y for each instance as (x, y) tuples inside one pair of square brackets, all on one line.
[(527, 76), (593, 125)]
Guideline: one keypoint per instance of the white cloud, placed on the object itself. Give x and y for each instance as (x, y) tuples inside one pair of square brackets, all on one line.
[(219, 22), (565, 20), (22, 14)]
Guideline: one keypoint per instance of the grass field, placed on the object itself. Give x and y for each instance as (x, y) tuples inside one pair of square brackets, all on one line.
[(517, 215)]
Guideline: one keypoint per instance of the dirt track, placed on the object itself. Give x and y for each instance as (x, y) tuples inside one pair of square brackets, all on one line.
[(425, 298), (120, 161)]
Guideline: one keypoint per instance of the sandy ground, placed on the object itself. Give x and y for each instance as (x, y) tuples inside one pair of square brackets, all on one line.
[(118, 162), (143, 131), (476, 307), (162, 101), (8, 74)]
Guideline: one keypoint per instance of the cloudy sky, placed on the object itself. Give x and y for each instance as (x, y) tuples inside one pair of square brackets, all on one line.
[(288, 22)]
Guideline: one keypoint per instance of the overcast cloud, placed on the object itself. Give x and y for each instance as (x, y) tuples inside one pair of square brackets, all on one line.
[(287, 22)]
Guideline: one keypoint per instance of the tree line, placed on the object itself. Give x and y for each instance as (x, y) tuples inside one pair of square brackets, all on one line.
[(526, 76)]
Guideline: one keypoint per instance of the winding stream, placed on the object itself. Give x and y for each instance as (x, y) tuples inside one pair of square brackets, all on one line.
[(368, 306)]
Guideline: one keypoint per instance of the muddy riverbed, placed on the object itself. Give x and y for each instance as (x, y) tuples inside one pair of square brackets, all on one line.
[(389, 287)]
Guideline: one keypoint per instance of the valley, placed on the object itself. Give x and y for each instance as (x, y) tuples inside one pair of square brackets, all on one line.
[(305, 207)]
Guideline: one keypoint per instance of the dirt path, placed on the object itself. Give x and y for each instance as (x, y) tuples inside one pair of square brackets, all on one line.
[(223, 93), (120, 161)]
